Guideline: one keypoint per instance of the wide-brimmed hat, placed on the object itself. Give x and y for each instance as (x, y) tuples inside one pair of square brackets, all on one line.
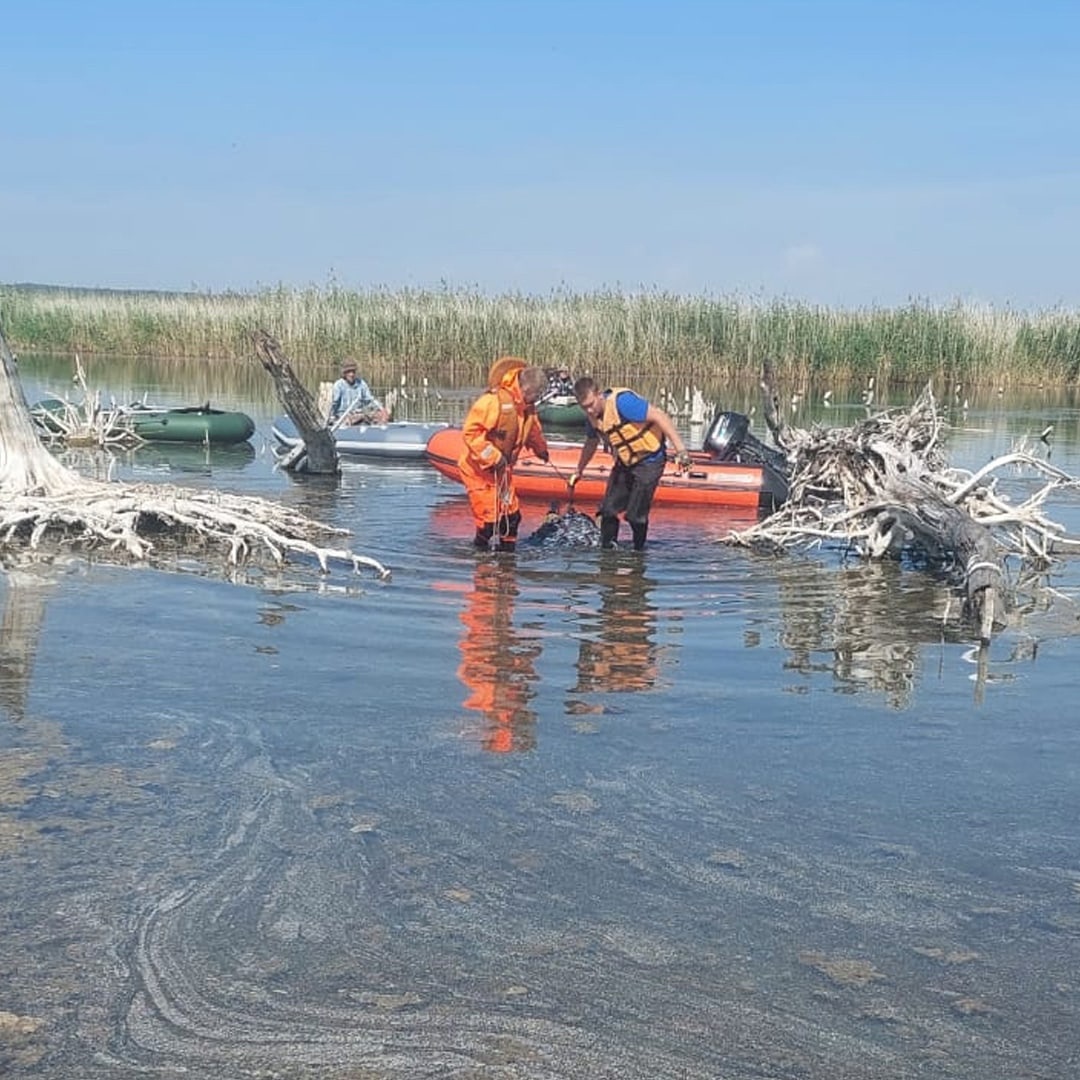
[(349, 365), (502, 367)]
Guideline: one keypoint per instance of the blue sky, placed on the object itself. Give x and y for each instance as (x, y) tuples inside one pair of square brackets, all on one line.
[(828, 151)]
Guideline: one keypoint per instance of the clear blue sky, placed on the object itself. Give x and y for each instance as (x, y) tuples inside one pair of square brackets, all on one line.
[(841, 152)]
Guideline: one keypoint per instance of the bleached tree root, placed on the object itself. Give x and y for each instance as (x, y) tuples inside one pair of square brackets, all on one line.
[(43, 503), (883, 487), (134, 521)]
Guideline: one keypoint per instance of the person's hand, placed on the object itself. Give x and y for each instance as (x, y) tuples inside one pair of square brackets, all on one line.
[(682, 459), (499, 462), (571, 482)]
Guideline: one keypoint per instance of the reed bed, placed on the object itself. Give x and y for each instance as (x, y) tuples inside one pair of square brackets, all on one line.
[(452, 335)]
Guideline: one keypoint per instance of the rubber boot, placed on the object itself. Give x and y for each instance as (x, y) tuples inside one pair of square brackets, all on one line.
[(508, 530), (609, 531), (482, 539), (640, 529)]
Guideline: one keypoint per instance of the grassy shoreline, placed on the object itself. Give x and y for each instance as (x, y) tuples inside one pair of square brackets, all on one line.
[(454, 334)]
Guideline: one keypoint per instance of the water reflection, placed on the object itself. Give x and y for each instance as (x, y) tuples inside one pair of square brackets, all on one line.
[(863, 624), (497, 660), (618, 653), (158, 461), (22, 610)]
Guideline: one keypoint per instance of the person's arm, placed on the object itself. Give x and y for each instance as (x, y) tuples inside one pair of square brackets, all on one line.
[(336, 403), (660, 419), (480, 419), (588, 448), (537, 441)]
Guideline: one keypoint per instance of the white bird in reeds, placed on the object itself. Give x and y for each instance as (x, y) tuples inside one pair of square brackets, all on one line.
[(1046, 433), (796, 398), (826, 399), (404, 395)]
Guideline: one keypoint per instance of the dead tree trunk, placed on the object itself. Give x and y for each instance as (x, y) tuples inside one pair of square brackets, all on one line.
[(44, 503), (917, 517), (770, 398), (319, 452)]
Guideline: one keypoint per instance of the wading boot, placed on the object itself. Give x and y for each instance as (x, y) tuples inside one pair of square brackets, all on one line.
[(482, 539), (508, 531), (640, 529), (609, 531)]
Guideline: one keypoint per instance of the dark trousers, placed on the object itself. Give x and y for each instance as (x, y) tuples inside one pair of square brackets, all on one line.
[(630, 490)]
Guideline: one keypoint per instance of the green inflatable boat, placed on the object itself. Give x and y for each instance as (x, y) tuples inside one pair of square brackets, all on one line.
[(193, 424), (155, 423)]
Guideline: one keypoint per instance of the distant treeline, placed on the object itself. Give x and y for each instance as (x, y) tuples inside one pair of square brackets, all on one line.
[(455, 334)]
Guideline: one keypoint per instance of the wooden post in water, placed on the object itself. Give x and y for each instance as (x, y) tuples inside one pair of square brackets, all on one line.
[(320, 451)]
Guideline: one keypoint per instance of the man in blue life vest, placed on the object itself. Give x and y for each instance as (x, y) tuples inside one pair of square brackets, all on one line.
[(637, 435)]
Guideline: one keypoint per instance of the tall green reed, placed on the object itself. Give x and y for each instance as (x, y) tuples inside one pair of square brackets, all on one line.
[(453, 335)]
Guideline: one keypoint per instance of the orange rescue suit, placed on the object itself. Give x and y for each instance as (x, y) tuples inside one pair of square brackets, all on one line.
[(497, 427)]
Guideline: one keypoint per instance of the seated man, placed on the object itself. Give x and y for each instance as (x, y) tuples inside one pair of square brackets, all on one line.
[(559, 382), (353, 402)]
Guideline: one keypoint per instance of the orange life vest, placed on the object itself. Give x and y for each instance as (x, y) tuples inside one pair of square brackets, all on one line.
[(628, 440)]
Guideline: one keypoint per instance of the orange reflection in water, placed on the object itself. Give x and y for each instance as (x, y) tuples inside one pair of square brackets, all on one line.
[(498, 662), (622, 656)]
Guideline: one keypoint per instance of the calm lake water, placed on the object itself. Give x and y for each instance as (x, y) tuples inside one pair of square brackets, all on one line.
[(689, 814)]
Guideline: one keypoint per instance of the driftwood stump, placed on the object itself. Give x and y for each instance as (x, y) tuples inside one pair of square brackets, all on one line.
[(46, 507), (883, 487), (319, 451), (916, 517)]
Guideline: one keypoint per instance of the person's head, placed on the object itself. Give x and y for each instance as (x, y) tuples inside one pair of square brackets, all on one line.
[(348, 370), (589, 397), (533, 382)]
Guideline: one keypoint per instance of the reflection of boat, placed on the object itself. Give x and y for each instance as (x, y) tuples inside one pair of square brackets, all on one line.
[(709, 481), (397, 439), (190, 457), (561, 411), (156, 423), (191, 424)]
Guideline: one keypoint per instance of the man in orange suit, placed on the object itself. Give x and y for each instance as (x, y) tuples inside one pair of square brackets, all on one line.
[(501, 422)]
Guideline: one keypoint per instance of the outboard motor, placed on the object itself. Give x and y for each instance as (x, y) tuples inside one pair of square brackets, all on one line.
[(726, 434), (729, 439)]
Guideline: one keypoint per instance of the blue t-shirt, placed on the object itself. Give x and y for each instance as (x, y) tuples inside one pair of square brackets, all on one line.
[(634, 408)]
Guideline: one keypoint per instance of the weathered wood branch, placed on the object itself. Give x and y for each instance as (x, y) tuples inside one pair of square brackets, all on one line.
[(917, 517), (883, 487), (770, 400), (44, 505), (319, 454)]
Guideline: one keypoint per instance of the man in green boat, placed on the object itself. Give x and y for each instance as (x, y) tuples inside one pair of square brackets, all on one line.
[(636, 434), (559, 382), (353, 402)]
